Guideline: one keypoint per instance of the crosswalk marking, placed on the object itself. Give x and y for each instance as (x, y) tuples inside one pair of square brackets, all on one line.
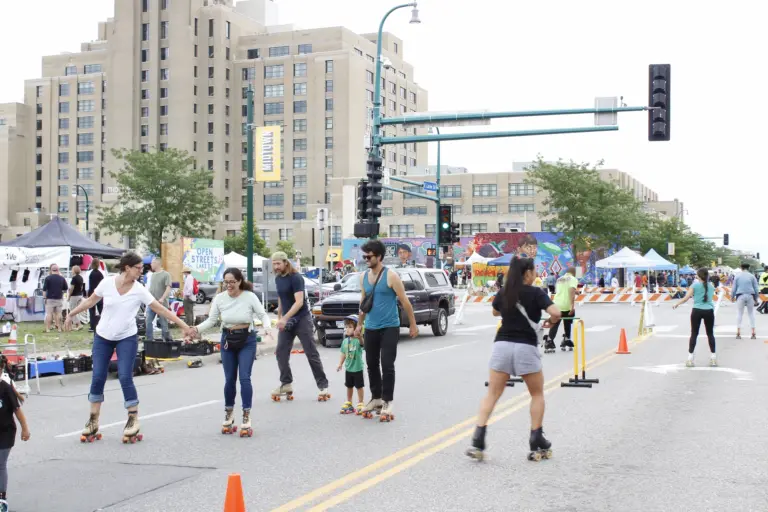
[(665, 328), (599, 328)]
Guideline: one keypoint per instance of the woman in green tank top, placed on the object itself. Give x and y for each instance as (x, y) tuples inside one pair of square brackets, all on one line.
[(703, 294)]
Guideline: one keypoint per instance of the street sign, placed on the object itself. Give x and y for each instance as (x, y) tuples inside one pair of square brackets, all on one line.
[(671, 248), (430, 186), (607, 118), (441, 123), (385, 177)]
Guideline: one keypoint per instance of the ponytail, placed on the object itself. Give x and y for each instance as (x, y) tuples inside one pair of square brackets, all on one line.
[(513, 285), (703, 274)]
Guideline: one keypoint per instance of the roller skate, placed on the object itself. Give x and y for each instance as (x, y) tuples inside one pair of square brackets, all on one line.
[(131, 430), (245, 426), (91, 431), (347, 408), (228, 425), (285, 390), (738, 335), (323, 395), (689, 363), (373, 406), (540, 447), (713, 360), (753, 337), (4, 506), (386, 413), (477, 448), (359, 409), (566, 344), (549, 346)]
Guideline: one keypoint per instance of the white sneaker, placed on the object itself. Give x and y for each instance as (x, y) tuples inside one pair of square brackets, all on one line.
[(713, 360)]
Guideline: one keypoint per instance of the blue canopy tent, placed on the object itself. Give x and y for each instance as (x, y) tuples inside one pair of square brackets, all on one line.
[(502, 261), (687, 270), (659, 263)]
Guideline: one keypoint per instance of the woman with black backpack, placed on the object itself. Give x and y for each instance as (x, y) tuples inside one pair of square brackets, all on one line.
[(516, 352)]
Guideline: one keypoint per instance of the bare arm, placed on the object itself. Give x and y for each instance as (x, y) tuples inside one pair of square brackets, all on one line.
[(361, 315), (165, 294), (572, 297), (496, 312), (554, 314), (167, 314), (23, 422), (685, 299), (297, 305)]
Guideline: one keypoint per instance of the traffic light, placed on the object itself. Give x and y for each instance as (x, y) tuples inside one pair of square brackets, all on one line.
[(725, 239), (757, 257), (444, 229), (455, 232), (658, 99), (375, 174), (362, 201), (364, 228)]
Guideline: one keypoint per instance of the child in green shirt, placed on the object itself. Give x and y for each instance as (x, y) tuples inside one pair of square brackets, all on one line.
[(352, 360)]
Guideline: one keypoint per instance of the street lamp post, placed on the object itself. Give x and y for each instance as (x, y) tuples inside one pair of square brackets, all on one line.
[(85, 193), (437, 206), (249, 187)]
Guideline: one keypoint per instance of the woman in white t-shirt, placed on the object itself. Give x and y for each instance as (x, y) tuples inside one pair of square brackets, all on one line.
[(117, 331)]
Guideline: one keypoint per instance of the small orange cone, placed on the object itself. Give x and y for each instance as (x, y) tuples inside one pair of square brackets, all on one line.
[(623, 343), (234, 502)]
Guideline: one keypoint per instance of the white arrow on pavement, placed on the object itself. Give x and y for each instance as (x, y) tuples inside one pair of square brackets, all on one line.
[(673, 368)]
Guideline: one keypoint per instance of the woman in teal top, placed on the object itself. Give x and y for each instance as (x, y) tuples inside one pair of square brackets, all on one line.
[(703, 294)]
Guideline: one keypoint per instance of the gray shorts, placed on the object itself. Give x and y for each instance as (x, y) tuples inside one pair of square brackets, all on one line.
[(54, 306), (515, 358)]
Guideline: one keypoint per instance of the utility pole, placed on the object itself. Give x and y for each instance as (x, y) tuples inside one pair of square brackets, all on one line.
[(249, 185)]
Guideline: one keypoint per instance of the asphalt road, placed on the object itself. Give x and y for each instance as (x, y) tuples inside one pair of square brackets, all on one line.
[(651, 436)]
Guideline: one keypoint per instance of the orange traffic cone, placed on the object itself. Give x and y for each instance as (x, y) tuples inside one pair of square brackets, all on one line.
[(11, 352), (623, 343), (234, 501)]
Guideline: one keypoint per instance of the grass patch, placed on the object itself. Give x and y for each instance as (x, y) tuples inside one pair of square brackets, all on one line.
[(55, 341)]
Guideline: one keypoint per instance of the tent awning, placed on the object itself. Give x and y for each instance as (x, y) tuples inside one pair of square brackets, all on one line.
[(625, 258), (659, 262), (58, 233)]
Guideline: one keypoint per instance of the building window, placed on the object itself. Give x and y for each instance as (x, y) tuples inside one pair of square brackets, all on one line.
[(484, 190), (274, 91), (386, 195), (299, 144), (145, 94), (63, 174), (165, 53), (329, 104), (85, 173), (300, 162), (300, 107), (210, 28), (85, 122), (299, 215), (483, 208), (329, 66), (336, 235), (520, 189), (279, 51), (164, 129), (145, 31), (471, 229), (210, 147), (286, 234), (68, 71), (512, 226), (277, 71), (39, 109), (329, 161), (86, 106), (63, 158), (386, 211), (228, 30), (274, 108), (63, 190), (300, 181), (145, 75), (85, 88), (413, 97), (369, 77), (299, 125), (63, 124), (305, 48), (63, 107), (429, 230), (163, 4), (163, 30), (210, 108), (144, 5), (300, 89), (401, 230), (253, 53), (163, 110), (300, 69), (264, 234), (414, 210), (520, 208), (144, 111), (269, 184), (329, 143), (85, 139), (85, 156), (299, 199), (273, 199), (210, 128), (403, 92), (63, 141), (164, 92), (63, 89)]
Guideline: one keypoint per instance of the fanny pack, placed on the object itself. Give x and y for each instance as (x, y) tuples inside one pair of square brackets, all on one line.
[(235, 339)]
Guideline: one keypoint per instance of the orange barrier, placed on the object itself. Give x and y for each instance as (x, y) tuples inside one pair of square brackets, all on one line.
[(234, 501), (623, 349)]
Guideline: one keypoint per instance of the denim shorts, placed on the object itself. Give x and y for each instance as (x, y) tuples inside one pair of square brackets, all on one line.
[(515, 358)]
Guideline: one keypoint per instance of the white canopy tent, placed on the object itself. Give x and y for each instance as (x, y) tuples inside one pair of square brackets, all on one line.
[(625, 258), (236, 260), (475, 258)]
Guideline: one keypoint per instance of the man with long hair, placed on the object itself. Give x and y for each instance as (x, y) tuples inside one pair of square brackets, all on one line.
[(293, 319)]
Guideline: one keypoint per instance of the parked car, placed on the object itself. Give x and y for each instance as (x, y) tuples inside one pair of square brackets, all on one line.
[(429, 291), (206, 292)]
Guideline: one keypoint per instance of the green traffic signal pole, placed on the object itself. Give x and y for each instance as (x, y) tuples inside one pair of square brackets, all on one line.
[(437, 207), (85, 193), (249, 186)]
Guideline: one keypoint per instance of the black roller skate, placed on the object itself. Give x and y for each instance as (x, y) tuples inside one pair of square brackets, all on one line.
[(477, 448), (540, 447), (549, 345), (566, 344)]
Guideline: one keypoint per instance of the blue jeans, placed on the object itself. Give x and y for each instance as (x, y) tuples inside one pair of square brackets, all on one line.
[(126, 357), (151, 329), (238, 359)]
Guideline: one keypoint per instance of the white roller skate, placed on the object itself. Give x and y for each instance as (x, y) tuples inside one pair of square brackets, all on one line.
[(4, 506), (285, 390), (323, 395), (132, 428), (373, 406), (360, 407), (713, 360), (91, 431), (689, 361), (245, 426), (387, 413), (228, 425)]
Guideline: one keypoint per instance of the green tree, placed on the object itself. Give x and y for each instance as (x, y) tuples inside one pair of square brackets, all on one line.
[(588, 210), (287, 247), (238, 243), (161, 196)]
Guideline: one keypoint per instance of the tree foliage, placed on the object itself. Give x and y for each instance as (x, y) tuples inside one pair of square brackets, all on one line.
[(287, 247), (238, 243), (161, 196)]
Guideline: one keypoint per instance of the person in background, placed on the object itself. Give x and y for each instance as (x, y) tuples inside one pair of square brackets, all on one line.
[(9, 406), (565, 299), (189, 296), (94, 279), (746, 295), (160, 288), (614, 282), (601, 282), (76, 291), (551, 280), (54, 287), (638, 281), (703, 294), (763, 285)]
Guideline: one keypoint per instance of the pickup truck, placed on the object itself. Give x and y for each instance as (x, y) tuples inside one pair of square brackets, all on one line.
[(429, 291)]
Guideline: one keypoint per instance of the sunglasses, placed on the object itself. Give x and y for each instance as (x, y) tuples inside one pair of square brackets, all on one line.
[(368, 257)]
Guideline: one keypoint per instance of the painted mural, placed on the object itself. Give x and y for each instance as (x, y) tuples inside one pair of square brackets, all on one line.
[(550, 254)]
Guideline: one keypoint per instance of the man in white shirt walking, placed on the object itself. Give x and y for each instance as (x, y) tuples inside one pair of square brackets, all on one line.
[(189, 296)]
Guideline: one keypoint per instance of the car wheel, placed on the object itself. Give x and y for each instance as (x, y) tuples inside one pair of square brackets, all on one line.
[(321, 337), (200, 297), (440, 324)]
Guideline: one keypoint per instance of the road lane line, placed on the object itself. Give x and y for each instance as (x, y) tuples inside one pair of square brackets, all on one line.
[(357, 474), (399, 468), (142, 418), (476, 328), (437, 349), (600, 328)]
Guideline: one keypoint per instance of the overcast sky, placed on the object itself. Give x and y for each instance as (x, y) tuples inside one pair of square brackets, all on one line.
[(500, 55)]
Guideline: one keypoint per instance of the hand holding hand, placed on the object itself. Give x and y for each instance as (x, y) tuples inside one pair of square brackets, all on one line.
[(281, 324), (358, 330), (339, 368)]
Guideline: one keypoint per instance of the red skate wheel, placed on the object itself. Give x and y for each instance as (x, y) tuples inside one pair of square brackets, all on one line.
[(140, 437), (234, 428), (290, 397), (250, 433), (133, 440), (98, 436), (125, 440)]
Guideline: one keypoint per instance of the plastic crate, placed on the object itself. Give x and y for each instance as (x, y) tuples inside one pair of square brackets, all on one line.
[(19, 372), (202, 348), (163, 349), (85, 363), (71, 365)]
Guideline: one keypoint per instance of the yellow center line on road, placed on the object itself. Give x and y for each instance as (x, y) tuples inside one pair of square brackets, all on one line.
[(500, 411), (399, 468)]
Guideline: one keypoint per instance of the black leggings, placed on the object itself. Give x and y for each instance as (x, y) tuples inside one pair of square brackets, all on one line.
[(381, 347), (566, 325), (697, 315)]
